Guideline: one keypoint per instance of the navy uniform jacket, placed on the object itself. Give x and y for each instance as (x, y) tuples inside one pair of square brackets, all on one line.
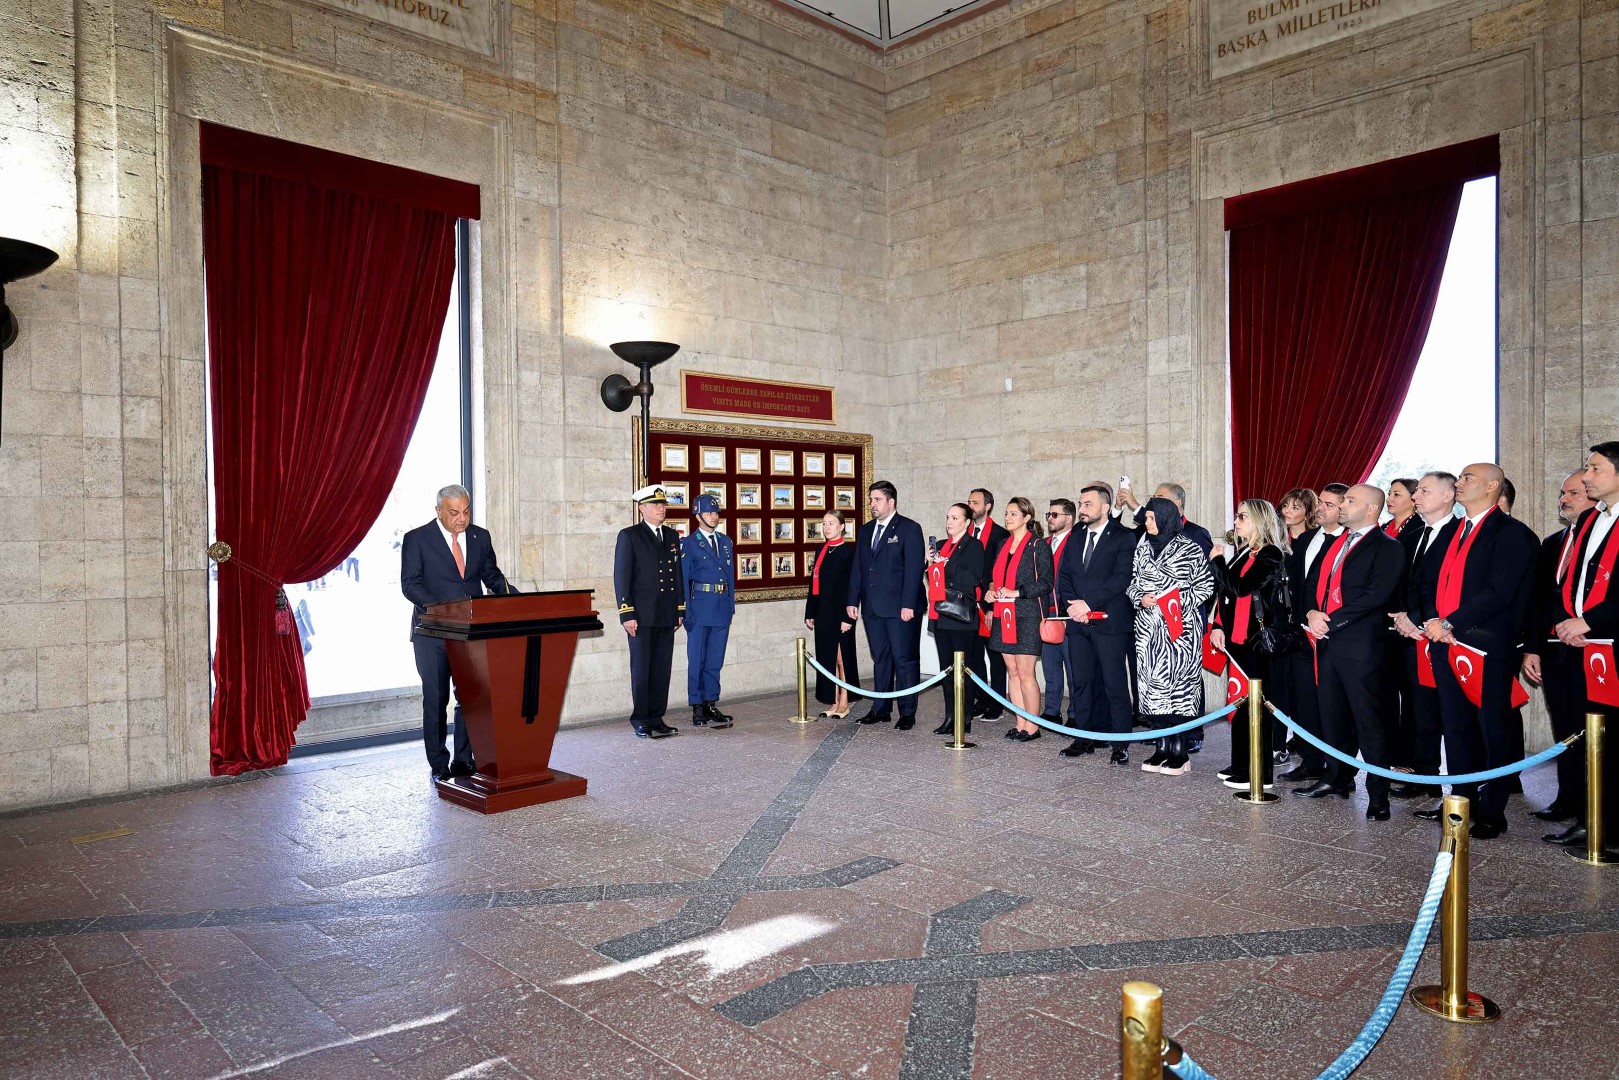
[(427, 573), (647, 576), (702, 566), (892, 577)]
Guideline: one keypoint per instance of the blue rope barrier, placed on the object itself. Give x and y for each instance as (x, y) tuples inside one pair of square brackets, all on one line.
[(917, 689), (1105, 736), (1419, 778), (1350, 1060)]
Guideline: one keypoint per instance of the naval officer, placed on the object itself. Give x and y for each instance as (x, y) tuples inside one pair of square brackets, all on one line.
[(710, 603), (651, 602)]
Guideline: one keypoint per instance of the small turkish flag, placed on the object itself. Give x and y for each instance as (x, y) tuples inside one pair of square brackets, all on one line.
[(1425, 665), (1170, 604), (1601, 684), (1236, 683), (1520, 696), (1467, 664), (1214, 660)]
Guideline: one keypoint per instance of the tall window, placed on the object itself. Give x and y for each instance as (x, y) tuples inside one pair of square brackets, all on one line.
[(354, 622), (1449, 416)]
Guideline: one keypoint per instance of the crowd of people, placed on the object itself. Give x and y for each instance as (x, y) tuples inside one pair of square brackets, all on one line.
[(1393, 624)]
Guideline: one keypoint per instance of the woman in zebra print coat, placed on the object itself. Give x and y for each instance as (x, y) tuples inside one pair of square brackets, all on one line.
[(1169, 670)]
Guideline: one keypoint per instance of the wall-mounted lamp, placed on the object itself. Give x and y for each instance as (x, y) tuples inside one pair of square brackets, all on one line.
[(617, 391), (18, 259)]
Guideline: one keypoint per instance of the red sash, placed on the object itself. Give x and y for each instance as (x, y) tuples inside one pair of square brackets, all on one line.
[(1454, 569), (1599, 587), (1327, 556), (1335, 590), (936, 578), (1006, 564), (815, 578), (1239, 633), (1393, 527)]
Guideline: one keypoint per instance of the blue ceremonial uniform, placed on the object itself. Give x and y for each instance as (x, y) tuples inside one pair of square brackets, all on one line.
[(710, 604)]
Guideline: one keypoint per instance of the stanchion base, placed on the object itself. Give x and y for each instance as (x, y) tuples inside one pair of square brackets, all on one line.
[(1480, 1009), (1605, 857), (1248, 797), (802, 719), (962, 745)]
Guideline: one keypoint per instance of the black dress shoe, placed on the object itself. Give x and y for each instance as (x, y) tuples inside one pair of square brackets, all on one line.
[(1487, 830), (1554, 812), (1051, 718), (1301, 774), (1377, 811), (1028, 736), (440, 774), (1323, 788), (946, 728), (1120, 756), (990, 714), (1012, 733), (699, 716), (874, 718), (1433, 814), (1413, 791), (643, 733), (461, 768), (1573, 836), (1194, 745), (715, 717), (1078, 747), (905, 723)]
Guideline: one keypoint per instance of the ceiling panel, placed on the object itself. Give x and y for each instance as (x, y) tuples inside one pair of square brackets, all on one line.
[(884, 23), (907, 15), (861, 15)]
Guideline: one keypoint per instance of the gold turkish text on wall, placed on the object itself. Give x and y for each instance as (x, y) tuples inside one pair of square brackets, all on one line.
[(1246, 33)]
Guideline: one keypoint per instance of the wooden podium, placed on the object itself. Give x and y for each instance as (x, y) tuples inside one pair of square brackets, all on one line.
[(510, 657)]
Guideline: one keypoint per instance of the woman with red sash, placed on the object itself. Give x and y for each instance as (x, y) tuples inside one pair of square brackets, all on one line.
[(1019, 585), (825, 615), (1251, 594), (956, 566), (1400, 501)]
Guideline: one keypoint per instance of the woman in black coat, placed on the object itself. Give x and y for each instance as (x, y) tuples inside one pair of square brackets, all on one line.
[(957, 566), (825, 615), (1250, 594)]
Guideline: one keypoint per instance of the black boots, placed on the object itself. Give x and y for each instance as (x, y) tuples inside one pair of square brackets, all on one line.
[(708, 715)]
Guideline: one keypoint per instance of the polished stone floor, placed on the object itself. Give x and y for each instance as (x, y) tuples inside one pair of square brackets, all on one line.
[(770, 901)]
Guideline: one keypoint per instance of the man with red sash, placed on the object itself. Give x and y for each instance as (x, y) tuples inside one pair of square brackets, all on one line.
[(1054, 658), (1359, 575), (991, 535), (1550, 663), (1298, 668), (1587, 608), (1418, 748), (1480, 598)]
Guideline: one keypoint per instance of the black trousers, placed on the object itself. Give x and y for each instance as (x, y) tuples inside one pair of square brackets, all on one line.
[(1101, 688), (433, 665), (1562, 672), (996, 665), (1302, 701), (1478, 737), (949, 642), (1420, 745), (1257, 666), (651, 651), (1402, 702), (1353, 694), (896, 661)]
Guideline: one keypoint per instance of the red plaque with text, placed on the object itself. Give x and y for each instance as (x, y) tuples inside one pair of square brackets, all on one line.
[(729, 395)]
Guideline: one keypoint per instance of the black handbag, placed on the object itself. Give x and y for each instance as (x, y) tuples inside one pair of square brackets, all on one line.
[(957, 605), (1277, 636)]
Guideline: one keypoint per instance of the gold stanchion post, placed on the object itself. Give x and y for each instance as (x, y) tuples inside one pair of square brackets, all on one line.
[(803, 716), (1594, 852), (1256, 792), (958, 699), (1141, 1032), (1451, 999)]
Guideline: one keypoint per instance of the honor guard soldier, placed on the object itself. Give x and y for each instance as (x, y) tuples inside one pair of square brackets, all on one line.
[(651, 595), (710, 604)]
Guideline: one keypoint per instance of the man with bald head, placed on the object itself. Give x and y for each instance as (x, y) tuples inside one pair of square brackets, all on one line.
[(1479, 598), (1359, 577), (1547, 661)]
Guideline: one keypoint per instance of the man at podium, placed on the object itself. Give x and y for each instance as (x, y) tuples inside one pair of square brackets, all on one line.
[(446, 559)]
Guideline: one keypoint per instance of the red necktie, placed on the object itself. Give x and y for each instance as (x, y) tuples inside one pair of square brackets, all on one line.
[(455, 549)]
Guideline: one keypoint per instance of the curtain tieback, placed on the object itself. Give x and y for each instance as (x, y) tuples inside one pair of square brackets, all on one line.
[(220, 553)]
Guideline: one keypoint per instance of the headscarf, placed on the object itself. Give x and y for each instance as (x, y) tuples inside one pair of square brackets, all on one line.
[(1169, 520)]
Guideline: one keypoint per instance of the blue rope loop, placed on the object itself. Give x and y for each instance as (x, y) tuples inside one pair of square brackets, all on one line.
[(1105, 736), (1350, 1060), (885, 694), (1419, 778)]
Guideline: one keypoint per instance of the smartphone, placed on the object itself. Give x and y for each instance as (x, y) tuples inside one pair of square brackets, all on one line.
[(1124, 482)]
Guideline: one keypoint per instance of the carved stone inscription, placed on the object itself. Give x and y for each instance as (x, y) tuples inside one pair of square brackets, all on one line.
[(466, 24), (1246, 33)]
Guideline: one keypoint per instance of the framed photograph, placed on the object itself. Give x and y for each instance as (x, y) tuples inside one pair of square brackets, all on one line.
[(751, 496), (750, 531), (812, 531), (781, 497), (750, 461), (784, 564), (675, 457), (750, 567), (781, 463), (843, 498), (711, 459), (815, 498), (843, 465), (814, 464), (784, 531), (716, 490), (720, 527), (680, 525), (678, 493)]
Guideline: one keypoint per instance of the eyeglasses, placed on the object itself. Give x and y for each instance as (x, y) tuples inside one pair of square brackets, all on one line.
[(1241, 516), (1054, 513)]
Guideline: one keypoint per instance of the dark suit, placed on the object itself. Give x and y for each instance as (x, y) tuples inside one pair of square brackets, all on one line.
[(886, 578), (1300, 693), (428, 575), (1097, 650), (1496, 588), (994, 536), (1354, 654), (650, 585), (1562, 672), (1416, 744), (962, 573)]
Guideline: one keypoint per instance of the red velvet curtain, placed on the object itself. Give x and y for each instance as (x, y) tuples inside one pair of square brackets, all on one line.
[(324, 313), (1332, 289)]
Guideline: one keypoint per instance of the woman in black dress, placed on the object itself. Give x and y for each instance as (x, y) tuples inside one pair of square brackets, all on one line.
[(957, 566), (1020, 585), (824, 614), (1250, 593)]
